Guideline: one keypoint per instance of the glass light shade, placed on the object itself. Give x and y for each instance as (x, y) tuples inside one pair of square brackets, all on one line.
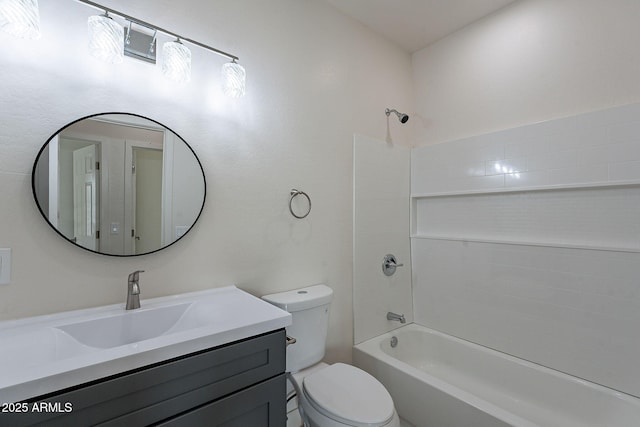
[(20, 18), (176, 62), (106, 39), (233, 79)]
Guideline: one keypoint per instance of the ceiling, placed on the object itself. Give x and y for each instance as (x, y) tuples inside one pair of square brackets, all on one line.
[(414, 24)]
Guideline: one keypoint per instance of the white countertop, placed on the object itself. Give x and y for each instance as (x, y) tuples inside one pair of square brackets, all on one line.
[(36, 357)]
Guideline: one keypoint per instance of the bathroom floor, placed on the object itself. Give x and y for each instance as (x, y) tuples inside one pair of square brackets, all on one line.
[(293, 420)]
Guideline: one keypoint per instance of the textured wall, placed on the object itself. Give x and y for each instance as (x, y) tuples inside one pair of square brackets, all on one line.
[(314, 77), (532, 61), (380, 227)]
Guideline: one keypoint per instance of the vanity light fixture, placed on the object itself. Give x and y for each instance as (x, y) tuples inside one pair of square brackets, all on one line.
[(20, 18), (108, 40), (176, 64)]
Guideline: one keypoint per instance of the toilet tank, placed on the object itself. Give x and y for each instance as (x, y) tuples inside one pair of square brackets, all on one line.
[(309, 308)]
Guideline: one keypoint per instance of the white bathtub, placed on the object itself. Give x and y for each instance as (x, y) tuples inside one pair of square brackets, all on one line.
[(437, 380)]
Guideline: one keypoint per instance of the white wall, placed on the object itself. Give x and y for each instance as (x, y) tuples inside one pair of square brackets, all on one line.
[(314, 78), (535, 60), (380, 227)]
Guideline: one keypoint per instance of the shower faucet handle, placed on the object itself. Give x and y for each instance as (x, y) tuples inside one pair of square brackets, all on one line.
[(389, 264)]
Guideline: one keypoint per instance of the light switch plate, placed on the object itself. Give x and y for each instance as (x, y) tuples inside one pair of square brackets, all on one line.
[(5, 266), (114, 228)]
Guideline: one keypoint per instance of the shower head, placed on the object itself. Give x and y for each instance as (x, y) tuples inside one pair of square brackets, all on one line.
[(401, 116)]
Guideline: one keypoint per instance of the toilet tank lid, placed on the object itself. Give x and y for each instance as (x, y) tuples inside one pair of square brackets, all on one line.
[(301, 299)]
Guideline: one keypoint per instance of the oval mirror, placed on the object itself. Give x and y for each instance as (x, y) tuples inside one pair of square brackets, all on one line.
[(119, 184)]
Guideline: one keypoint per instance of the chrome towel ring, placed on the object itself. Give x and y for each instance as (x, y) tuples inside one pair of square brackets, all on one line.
[(294, 194)]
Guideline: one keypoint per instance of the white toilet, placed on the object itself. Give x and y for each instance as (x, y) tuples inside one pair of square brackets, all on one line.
[(335, 395)]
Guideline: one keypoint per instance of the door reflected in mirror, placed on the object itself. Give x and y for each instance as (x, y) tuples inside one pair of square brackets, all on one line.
[(119, 184)]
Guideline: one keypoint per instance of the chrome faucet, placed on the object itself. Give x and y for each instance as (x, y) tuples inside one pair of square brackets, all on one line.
[(398, 317), (133, 290)]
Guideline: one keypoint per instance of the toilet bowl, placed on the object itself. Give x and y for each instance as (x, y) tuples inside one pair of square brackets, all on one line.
[(337, 395), (342, 395)]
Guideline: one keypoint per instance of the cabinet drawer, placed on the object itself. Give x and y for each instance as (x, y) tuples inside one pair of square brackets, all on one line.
[(262, 405), (160, 391)]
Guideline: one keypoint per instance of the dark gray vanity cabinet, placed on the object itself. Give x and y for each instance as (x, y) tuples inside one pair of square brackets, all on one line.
[(238, 384)]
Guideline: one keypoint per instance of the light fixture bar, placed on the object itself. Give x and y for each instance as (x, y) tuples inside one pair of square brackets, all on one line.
[(162, 30)]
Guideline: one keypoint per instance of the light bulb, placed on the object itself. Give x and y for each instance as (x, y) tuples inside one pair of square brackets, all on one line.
[(106, 39), (20, 18), (234, 79), (176, 62)]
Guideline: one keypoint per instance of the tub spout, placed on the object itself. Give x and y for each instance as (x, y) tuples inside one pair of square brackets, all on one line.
[(398, 317)]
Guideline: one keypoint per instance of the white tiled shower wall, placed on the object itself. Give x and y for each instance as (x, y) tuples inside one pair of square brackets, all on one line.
[(596, 147), (527, 241)]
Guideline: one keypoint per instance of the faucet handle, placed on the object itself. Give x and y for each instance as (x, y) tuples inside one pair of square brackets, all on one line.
[(389, 264)]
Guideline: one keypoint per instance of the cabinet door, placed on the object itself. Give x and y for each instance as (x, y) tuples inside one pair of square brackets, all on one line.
[(158, 392), (262, 405)]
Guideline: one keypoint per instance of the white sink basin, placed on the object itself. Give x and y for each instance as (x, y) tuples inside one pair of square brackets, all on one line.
[(125, 327), (39, 355)]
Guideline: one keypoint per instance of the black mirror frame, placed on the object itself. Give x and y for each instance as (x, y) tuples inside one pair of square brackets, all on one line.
[(44, 215)]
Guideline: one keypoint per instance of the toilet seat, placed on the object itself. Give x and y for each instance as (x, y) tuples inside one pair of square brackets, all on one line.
[(349, 395)]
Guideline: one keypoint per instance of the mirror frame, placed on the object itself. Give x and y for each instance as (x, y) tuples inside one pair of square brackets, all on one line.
[(44, 215)]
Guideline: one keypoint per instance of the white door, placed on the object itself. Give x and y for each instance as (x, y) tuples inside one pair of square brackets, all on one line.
[(147, 199), (143, 196), (85, 198)]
